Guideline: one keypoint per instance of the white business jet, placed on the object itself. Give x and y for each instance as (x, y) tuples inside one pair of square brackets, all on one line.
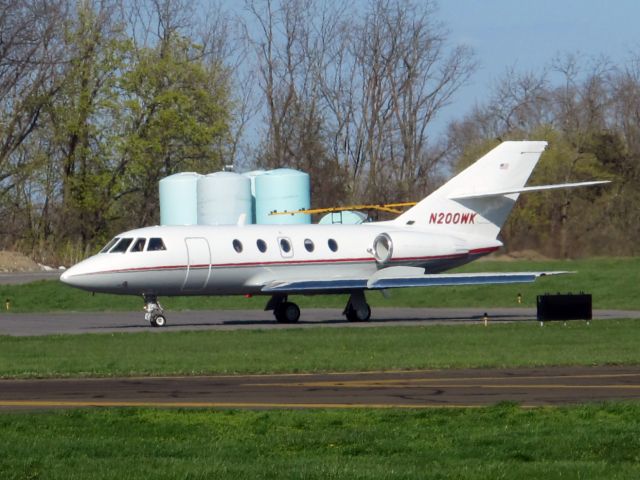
[(456, 224)]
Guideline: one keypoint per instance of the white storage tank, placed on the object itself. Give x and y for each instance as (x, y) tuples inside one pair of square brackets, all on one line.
[(179, 199), (223, 197), (252, 176), (345, 217), (281, 190)]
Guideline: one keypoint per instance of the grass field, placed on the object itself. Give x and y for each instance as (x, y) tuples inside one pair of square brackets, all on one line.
[(612, 281), (503, 441), (321, 349), (596, 441)]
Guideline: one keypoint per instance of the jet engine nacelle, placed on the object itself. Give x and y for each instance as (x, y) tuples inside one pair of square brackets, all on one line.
[(415, 247)]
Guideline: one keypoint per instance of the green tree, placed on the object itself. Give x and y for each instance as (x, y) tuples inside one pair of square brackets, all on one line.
[(175, 117), (81, 122), (555, 222)]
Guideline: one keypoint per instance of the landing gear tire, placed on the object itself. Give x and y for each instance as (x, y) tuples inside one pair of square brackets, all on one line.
[(153, 311), (158, 321), (287, 312), (362, 314)]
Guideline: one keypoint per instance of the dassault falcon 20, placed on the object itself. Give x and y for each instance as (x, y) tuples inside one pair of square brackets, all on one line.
[(457, 223)]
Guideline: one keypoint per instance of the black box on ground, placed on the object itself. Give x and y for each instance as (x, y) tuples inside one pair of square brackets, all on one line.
[(564, 307)]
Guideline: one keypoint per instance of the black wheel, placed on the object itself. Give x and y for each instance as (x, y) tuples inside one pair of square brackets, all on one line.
[(362, 314), (287, 312), (158, 321), (292, 312)]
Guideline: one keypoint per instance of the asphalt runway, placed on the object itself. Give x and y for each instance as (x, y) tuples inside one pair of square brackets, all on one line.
[(412, 389), (31, 324), (19, 278)]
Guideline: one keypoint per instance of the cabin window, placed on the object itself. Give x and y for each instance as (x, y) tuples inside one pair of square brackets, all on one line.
[(285, 245), (262, 245), (138, 245), (333, 245), (109, 245), (122, 245), (308, 244), (237, 245), (155, 244)]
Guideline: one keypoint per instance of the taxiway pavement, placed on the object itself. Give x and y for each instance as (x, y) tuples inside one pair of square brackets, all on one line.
[(31, 324), (18, 278), (410, 389)]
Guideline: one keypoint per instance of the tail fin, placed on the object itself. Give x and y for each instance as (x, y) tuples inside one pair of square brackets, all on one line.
[(479, 199)]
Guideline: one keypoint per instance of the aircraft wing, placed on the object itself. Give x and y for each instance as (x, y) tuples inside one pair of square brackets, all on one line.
[(316, 285), (401, 277), (449, 279)]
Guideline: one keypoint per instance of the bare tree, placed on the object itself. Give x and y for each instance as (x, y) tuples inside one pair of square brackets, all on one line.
[(32, 65), (31, 59), (587, 115), (277, 43), (371, 82)]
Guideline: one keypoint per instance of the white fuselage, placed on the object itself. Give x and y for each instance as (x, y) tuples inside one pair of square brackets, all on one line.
[(217, 260), (455, 224)]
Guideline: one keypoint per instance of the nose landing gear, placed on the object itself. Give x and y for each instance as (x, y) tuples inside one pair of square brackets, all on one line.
[(154, 314)]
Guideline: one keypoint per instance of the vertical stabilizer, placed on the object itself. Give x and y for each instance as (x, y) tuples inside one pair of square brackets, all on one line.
[(507, 167)]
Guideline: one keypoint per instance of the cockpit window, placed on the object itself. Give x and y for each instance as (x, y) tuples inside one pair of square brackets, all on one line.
[(122, 245), (155, 244), (138, 245), (108, 246)]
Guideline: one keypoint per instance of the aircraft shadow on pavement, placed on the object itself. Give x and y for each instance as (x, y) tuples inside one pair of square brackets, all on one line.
[(176, 325)]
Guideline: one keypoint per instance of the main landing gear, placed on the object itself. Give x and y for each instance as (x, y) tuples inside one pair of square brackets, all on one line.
[(284, 311), (357, 309), (154, 314)]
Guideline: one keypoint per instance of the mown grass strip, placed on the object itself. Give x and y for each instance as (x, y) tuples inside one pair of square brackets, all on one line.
[(591, 441), (612, 281), (322, 349)]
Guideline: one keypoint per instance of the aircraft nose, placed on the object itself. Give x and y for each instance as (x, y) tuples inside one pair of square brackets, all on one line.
[(88, 275), (74, 276), (66, 276)]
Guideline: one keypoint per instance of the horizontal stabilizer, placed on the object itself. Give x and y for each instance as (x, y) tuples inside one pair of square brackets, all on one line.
[(536, 188)]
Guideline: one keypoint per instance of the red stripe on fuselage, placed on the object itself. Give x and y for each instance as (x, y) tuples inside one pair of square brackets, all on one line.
[(478, 251)]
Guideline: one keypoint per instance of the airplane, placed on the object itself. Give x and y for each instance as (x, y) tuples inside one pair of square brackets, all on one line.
[(456, 224)]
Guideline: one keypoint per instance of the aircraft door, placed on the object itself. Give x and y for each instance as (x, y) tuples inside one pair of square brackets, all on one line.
[(198, 264)]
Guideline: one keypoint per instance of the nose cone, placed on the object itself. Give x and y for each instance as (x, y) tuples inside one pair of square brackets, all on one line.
[(68, 277), (81, 275), (65, 276), (95, 274)]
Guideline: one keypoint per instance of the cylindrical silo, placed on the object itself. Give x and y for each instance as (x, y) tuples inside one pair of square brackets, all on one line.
[(281, 190), (223, 197), (179, 199), (252, 176)]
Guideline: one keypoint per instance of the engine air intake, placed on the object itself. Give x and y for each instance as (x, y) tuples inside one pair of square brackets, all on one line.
[(383, 248)]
